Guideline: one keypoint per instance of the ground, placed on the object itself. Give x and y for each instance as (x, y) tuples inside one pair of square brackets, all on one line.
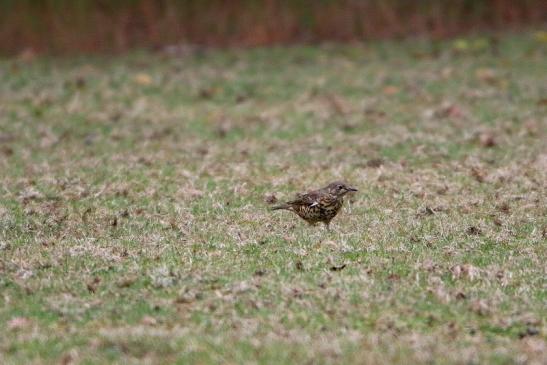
[(135, 190)]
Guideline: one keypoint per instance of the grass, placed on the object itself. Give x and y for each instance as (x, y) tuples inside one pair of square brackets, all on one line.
[(134, 226)]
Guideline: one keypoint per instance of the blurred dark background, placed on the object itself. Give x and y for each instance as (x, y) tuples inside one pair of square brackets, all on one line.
[(67, 26)]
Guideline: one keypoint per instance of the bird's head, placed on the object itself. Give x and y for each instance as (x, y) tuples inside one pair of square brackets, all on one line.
[(339, 188)]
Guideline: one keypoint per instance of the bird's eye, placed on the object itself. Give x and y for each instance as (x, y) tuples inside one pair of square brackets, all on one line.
[(340, 187)]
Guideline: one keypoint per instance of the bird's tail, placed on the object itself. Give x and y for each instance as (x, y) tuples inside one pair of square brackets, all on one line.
[(281, 206)]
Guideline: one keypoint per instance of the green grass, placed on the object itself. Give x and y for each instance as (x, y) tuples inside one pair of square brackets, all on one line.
[(134, 227)]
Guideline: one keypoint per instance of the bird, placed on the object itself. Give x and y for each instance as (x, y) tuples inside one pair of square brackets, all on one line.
[(320, 205)]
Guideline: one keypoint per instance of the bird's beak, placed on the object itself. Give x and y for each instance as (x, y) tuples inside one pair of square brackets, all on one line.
[(352, 189)]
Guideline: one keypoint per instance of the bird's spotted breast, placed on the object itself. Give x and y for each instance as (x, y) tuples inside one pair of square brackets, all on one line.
[(323, 210)]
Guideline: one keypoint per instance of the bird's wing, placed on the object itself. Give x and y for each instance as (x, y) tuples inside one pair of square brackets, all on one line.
[(310, 199)]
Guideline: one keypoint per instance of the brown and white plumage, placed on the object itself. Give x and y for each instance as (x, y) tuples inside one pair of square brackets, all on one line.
[(320, 205)]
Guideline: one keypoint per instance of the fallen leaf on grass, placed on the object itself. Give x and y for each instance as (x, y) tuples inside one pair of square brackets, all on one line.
[(149, 321), (480, 307), (143, 79), (391, 90), (348, 127), (487, 140), (338, 104), (428, 265), (440, 293), (241, 98), (241, 287), (6, 151), (447, 72), (338, 268), (80, 82), (448, 110), (530, 331), (270, 198), (472, 230), (19, 323), (260, 272), (185, 298), (4, 246), (498, 222), (478, 174), (504, 207), (94, 284), (374, 114), (297, 293), (468, 271), (24, 274), (208, 93), (163, 277), (29, 194), (67, 359), (223, 129), (486, 75), (191, 193), (375, 162), (425, 212)]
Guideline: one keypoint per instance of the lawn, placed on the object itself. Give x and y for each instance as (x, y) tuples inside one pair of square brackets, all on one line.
[(134, 205)]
